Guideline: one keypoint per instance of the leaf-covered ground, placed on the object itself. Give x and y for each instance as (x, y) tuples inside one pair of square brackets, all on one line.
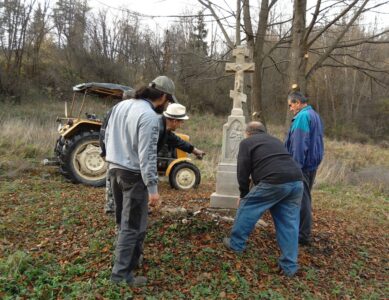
[(56, 243)]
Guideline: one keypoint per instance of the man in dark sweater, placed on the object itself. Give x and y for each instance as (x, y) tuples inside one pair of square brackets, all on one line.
[(278, 187)]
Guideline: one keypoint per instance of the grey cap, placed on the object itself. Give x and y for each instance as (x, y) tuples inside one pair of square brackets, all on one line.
[(165, 85)]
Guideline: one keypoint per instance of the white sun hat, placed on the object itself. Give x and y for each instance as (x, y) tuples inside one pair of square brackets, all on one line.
[(176, 111)]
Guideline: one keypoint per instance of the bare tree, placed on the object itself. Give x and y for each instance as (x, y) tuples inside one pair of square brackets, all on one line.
[(255, 42), (37, 32), (304, 40), (14, 21)]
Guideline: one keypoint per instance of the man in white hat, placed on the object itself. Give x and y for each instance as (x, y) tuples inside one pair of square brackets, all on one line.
[(172, 119)]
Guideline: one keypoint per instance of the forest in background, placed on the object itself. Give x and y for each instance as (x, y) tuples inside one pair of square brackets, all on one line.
[(56, 242), (48, 47)]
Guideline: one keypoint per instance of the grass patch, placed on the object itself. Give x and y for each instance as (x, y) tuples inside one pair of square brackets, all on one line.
[(31, 134), (57, 243)]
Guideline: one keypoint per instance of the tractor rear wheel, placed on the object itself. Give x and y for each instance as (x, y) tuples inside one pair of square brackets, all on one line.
[(80, 159)]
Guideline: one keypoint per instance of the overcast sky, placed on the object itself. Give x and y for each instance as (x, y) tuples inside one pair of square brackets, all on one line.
[(165, 10), (158, 8), (151, 7), (179, 7)]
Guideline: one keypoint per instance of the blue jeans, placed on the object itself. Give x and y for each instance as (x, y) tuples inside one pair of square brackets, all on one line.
[(283, 201)]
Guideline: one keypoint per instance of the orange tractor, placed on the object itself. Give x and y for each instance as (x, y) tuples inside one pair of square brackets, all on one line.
[(77, 150)]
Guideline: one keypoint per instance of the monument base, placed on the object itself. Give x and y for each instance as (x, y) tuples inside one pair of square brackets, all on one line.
[(223, 201), (227, 187)]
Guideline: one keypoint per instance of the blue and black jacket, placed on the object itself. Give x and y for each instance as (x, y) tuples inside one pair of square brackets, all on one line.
[(305, 139)]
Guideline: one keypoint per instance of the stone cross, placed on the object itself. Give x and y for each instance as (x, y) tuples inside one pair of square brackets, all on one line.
[(227, 188), (239, 68)]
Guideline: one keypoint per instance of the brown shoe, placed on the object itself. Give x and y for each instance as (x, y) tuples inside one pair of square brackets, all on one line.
[(227, 244), (137, 281)]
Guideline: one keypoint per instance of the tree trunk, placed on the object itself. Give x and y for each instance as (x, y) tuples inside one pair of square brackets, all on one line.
[(298, 51), (256, 98), (298, 54), (250, 44)]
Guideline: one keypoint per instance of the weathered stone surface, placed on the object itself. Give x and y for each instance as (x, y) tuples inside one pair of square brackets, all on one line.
[(227, 188)]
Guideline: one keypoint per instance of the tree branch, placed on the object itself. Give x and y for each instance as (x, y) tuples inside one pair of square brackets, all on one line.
[(357, 42), (313, 21), (336, 42), (275, 64), (248, 28), (280, 23), (363, 71), (375, 6), (208, 5), (282, 40), (338, 17)]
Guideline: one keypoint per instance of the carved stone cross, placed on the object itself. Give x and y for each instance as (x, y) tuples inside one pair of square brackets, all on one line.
[(239, 67)]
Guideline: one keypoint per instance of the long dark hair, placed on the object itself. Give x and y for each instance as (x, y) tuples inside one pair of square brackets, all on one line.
[(147, 92)]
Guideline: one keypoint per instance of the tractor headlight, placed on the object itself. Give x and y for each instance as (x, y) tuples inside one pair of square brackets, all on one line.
[(59, 127)]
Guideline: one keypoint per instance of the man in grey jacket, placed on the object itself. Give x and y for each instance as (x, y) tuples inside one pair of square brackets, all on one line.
[(131, 140), (167, 139)]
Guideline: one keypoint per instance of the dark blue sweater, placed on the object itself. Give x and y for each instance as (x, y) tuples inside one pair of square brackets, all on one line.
[(265, 159)]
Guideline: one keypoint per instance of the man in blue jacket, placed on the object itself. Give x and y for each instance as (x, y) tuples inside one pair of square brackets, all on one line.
[(305, 143)]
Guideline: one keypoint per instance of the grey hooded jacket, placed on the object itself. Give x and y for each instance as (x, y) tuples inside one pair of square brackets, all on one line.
[(131, 139)]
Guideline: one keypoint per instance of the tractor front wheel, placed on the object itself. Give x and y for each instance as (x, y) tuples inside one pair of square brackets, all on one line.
[(184, 176)]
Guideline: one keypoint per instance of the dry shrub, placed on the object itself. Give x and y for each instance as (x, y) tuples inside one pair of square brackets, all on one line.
[(356, 155), (29, 132), (331, 172), (208, 166), (15, 168), (343, 162), (372, 176), (26, 139)]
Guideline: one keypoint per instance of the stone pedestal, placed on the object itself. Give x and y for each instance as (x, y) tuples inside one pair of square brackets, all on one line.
[(227, 188)]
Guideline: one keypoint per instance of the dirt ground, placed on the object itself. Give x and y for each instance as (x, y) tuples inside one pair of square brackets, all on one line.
[(63, 233)]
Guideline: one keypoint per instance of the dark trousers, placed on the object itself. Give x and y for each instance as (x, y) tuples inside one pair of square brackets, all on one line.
[(131, 200), (306, 207)]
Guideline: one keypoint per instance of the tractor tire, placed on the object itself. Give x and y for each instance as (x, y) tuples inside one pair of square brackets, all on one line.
[(58, 149), (184, 176), (80, 159)]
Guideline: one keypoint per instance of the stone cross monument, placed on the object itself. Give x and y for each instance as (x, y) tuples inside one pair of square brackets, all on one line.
[(227, 189)]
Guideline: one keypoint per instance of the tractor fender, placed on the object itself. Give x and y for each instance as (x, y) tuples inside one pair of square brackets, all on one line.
[(175, 162), (79, 125)]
